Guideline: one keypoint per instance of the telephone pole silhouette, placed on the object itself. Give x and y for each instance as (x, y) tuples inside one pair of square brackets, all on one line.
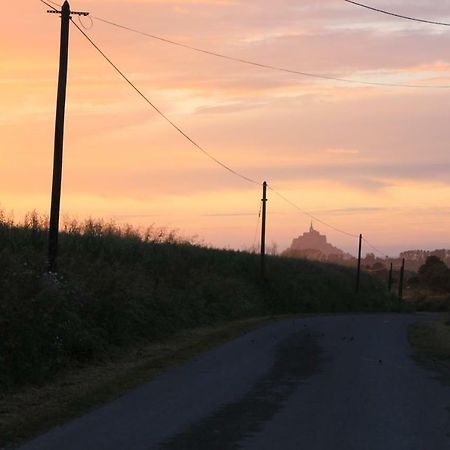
[(59, 133), (358, 271), (401, 281), (390, 279), (263, 231)]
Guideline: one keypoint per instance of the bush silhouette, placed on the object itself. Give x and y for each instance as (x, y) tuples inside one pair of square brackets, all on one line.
[(435, 274)]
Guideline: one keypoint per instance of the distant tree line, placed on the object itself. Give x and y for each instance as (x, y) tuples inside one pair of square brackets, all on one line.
[(434, 275), (417, 258)]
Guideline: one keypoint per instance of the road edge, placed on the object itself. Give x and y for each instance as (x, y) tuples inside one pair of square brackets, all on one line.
[(36, 409)]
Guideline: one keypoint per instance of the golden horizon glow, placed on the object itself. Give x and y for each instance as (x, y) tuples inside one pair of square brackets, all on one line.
[(371, 160)]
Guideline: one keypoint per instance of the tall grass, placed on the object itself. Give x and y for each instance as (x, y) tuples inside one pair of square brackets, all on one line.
[(119, 286)]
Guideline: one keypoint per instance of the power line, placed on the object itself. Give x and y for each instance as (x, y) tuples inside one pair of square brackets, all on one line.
[(176, 127), (269, 66), (294, 205), (401, 16), (272, 67), (86, 27), (374, 248), (53, 3), (209, 155), (50, 6)]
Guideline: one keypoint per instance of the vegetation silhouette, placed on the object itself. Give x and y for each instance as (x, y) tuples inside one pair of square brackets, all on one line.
[(430, 286), (118, 286)]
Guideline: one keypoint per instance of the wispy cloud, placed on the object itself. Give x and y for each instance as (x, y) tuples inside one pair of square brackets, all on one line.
[(348, 151)]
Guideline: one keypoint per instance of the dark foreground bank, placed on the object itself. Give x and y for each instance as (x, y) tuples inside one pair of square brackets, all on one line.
[(116, 288)]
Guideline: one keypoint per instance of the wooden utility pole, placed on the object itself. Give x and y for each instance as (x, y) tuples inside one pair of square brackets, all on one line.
[(390, 279), (358, 271), (400, 283), (263, 231), (59, 134)]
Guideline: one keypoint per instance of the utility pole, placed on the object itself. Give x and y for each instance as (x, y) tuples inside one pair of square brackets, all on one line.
[(402, 277), (358, 272), (59, 134), (263, 231), (390, 279)]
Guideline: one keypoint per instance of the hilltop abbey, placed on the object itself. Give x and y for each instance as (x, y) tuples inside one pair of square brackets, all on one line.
[(313, 245)]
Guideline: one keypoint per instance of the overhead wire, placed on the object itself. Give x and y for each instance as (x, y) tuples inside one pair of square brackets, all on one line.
[(401, 16), (375, 249), (53, 3), (50, 6), (86, 27), (294, 205), (204, 151), (208, 154), (164, 116), (269, 66)]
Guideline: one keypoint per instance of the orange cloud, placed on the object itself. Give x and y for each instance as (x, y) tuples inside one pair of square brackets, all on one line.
[(367, 159)]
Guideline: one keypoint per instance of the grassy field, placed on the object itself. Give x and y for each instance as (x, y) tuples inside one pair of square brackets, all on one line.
[(119, 291), (117, 288)]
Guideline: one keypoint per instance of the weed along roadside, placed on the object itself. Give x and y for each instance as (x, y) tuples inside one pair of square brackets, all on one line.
[(118, 291), (33, 409), (431, 343)]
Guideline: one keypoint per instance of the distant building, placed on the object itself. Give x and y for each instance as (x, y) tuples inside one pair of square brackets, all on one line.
[(313, 245)]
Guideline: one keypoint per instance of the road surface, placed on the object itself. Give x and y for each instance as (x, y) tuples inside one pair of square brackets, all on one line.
[(323, 383)]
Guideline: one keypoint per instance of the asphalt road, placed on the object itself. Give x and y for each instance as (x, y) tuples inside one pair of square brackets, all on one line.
[(331, 383)]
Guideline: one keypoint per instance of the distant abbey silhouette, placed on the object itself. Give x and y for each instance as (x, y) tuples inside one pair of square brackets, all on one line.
[(313, 245)]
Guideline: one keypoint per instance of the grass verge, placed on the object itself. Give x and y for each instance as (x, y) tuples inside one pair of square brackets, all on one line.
[(116, 287), (34, 410), (431, 341)]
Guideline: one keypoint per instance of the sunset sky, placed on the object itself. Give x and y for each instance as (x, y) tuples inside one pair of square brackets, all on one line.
[(371, 160)]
